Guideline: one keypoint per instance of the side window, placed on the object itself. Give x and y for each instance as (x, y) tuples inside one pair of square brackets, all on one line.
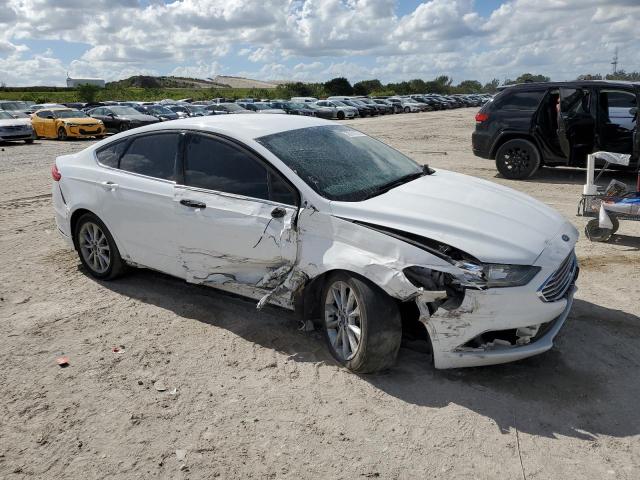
[(217, 165), (110, 155), (615, 108), (98, 111), (152, 155), (280, 191), (44, 114), (520, 100)]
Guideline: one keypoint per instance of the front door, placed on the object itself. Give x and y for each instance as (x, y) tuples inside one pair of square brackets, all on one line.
[(576, 125), (236, 227)]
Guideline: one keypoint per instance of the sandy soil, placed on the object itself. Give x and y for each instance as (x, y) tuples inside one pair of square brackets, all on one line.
[(248, 395)]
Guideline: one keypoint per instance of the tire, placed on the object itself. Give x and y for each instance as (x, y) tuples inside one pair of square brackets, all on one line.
[(377, 320), (517, 159), (92, 236), (123, 127), (407, 110), (340, 115), (29, 141), (596, 234), (62, 134)]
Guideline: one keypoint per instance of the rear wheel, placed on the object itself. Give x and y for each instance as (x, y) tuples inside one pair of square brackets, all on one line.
[(517, 159), (340, 115), (407, 110), (62, 134), (123, 127), (595, 233), (97, 250), (361, 324)]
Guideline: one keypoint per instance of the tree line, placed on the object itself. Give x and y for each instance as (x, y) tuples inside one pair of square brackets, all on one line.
[(442, 84)]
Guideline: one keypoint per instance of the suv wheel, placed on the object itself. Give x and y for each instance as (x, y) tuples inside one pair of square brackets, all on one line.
[(361, 324), (517, 159)]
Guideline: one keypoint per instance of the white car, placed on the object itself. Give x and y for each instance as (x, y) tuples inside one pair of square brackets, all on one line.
[(342, 110), (322, 219), (12, 128)]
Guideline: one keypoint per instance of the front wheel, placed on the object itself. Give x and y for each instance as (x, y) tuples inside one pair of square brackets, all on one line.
[(407, 110), (97, 250), (596, 234), (62, 134), (361, 324), (517, 159), (123, 127)]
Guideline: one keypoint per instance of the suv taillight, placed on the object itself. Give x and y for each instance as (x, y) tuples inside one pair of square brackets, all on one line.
[(481, 117), (55, 174)]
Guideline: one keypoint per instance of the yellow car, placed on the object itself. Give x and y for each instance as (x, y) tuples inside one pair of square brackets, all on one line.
[(62, 123)]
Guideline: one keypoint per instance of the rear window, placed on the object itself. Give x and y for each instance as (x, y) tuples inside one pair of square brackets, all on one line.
[(528, 100), (109, 156), (152, 155)]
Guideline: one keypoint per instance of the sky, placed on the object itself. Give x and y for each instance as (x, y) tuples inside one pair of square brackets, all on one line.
[(314, 40)]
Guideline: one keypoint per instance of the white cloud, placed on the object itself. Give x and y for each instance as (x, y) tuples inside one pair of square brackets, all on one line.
[(315, 39)]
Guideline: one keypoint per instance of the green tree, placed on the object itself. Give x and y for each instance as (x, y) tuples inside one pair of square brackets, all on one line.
[(88, 93), (338, 86), (365, 87), (589, 76), (492, 86), (527, 78), (622, 75), (469, 86)]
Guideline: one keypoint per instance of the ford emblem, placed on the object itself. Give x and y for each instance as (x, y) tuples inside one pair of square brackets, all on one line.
[(565, 238)]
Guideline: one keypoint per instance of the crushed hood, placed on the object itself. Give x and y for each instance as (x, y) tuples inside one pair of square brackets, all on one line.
[(493, 223)]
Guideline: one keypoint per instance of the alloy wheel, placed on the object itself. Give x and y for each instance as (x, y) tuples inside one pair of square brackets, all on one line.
[(517, 160), (343, 320), (94, 247)]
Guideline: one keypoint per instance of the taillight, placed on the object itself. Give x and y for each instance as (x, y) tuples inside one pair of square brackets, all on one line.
[(55, 173), (481, 117)]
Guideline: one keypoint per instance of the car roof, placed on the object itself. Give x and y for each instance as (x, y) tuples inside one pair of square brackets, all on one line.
[(242, 127), (55, 109), (572, 83)]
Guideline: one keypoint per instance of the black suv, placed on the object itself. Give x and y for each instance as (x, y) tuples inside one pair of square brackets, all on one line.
[(529, 125)]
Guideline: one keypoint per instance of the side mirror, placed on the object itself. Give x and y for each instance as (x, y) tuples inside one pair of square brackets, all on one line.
[(112, 115)]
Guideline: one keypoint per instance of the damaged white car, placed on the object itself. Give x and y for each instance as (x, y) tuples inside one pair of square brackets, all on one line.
[(322, 219)]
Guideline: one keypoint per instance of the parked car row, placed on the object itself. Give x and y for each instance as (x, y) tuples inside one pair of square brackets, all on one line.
[(25, 120)]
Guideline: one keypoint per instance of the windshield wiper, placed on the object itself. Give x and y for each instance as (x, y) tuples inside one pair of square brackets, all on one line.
[(426, 170)]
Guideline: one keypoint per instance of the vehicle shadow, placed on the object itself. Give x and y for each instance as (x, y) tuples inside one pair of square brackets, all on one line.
[(586, 386), (578, 176), (626, 241)]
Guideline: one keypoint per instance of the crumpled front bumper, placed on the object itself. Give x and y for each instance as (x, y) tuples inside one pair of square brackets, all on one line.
[(485, 311)]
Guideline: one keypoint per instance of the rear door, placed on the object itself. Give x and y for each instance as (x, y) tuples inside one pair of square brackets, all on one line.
[(576, 124), (617, 119), (236, 225), (136, 191)]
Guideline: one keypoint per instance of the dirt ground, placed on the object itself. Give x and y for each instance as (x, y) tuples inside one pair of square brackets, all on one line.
[(249, 395)]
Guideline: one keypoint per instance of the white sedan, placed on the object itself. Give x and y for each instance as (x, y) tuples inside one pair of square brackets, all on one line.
[(15, 128), (322, 219)]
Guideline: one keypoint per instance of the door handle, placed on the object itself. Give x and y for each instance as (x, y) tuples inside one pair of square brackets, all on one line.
[(192, 203), (278, 212), (109, 185)]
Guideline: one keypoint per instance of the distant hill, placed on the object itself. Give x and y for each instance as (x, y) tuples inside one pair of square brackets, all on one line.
[(220, 81), (241, 82)]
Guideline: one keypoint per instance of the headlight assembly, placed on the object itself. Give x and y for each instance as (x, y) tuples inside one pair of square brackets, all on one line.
[(494, 275)]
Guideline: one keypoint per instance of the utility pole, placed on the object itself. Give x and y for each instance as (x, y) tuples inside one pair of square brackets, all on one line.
[(615, 62)]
